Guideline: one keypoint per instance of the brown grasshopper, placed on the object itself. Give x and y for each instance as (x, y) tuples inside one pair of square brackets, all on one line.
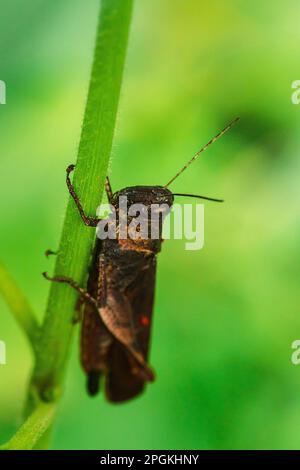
[(118, 301)]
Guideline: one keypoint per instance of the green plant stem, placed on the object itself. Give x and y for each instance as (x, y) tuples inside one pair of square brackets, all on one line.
[(91, 168), (29, 434), (52, 346), (19, 306)]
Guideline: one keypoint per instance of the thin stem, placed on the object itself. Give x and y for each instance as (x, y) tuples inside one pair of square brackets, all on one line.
[(91, 168), (19, 306), (33, 429)]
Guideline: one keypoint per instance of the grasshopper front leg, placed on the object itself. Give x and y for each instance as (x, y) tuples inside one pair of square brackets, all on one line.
[(88, 220)]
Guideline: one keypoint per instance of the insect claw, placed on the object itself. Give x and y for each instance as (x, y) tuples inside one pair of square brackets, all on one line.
[(70, 168), (50, 252), (45, 274)]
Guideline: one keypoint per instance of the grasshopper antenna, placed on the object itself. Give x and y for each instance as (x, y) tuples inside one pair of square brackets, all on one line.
[(229, 126), (199, 197)]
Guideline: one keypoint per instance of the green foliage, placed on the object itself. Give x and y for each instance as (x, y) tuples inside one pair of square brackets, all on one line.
[(224, 317), (19, 306)]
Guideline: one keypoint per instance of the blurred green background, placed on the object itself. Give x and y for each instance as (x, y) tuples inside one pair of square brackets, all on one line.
[(225, 316)]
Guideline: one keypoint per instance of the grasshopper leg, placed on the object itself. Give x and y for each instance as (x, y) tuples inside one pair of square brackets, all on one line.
[(84, 295), (108, 190), (50, 253), (89, 221)]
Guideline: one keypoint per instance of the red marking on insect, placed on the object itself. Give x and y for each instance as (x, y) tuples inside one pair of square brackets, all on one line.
[(144, 320)]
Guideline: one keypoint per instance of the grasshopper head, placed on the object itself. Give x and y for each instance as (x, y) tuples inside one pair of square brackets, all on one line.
[(146, 195)]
